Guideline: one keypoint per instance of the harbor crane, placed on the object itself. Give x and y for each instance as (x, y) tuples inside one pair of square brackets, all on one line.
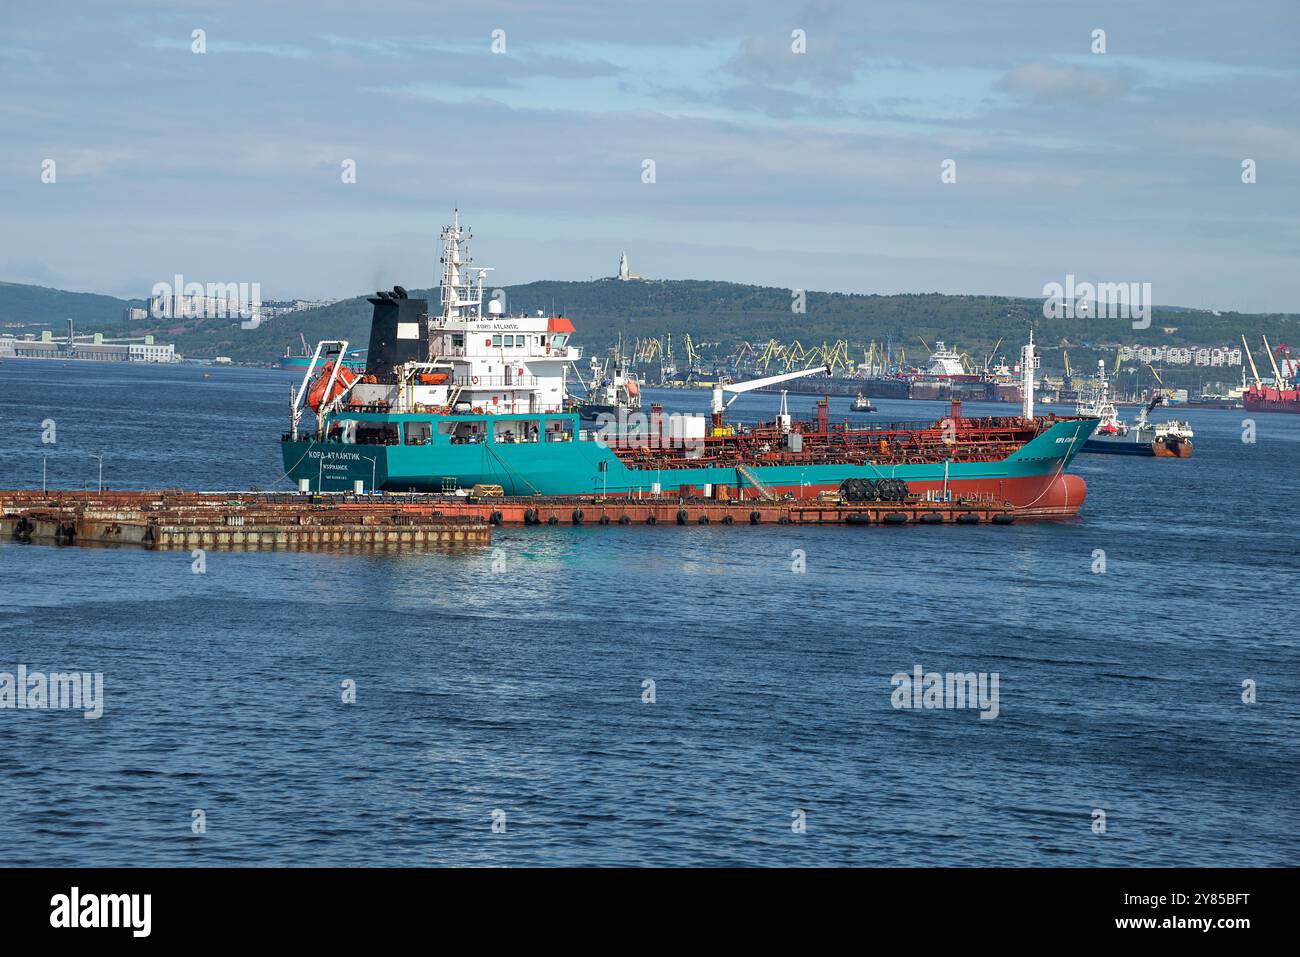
[(718, 405), (1285, 352), (989, 358)]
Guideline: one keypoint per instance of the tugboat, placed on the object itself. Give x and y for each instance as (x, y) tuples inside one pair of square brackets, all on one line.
[(862, 404), (613, 392), (1172, 439), (466, 395)]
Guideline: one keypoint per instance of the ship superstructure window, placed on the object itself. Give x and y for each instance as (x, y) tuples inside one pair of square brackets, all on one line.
[(458, 340), (496, 341), (558, 341), (377, 433), (418, 433), (462, 433), (363, 432), (516, 431)]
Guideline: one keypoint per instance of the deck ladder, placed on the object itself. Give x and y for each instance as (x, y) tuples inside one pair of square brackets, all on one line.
[(749, 476)]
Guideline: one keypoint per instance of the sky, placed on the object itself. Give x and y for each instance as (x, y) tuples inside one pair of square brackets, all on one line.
[(819, 168)]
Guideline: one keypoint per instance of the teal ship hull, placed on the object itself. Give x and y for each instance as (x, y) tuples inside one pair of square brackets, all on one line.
[(419, 456)]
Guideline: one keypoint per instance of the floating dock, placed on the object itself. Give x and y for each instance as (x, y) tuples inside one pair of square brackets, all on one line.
[(186, 520)]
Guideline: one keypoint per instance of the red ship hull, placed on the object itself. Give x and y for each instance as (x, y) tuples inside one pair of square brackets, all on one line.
[(1036, 496), (1272, 400)]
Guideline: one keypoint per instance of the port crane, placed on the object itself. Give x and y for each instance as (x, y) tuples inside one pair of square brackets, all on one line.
[(1285, 352), (989, 358)]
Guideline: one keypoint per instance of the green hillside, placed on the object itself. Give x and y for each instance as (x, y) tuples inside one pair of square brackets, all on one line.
[(52, 308), (717, 315)]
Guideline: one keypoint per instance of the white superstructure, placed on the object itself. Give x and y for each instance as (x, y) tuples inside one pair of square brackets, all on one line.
[(479, 363), (944, 362)]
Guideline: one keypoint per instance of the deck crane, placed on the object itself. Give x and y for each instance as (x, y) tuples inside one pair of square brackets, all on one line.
[(718, 406), (1277, 375), (1253, 371)]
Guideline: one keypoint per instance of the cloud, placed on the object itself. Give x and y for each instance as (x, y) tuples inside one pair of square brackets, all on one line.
[(1052, 82)]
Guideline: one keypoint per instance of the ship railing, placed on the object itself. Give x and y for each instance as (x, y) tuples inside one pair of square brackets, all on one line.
[(495, 380)]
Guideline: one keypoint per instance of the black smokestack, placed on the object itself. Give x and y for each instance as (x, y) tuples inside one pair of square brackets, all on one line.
[(399, 332)]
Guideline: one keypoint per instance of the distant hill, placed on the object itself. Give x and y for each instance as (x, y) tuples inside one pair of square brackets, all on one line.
[(52, 308), (722, 314), (718, 315)]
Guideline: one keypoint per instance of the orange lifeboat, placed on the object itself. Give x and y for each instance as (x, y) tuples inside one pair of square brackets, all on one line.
[(632, 388), (316, 396)]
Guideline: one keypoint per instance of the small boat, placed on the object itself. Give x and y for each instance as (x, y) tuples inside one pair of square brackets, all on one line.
[(1170, 440), (613, 392), (862, 404)]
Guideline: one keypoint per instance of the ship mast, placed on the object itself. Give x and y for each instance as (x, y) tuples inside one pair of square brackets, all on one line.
[(1027, 378), (458, 293)]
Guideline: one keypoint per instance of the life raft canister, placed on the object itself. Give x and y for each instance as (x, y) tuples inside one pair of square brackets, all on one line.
[(316, 397)]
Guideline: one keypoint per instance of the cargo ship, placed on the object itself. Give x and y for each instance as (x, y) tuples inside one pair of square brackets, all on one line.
[(469, 395), (1284, 393)]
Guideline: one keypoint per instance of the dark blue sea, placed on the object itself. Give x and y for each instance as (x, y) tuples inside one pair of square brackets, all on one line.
[(515, 696)]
